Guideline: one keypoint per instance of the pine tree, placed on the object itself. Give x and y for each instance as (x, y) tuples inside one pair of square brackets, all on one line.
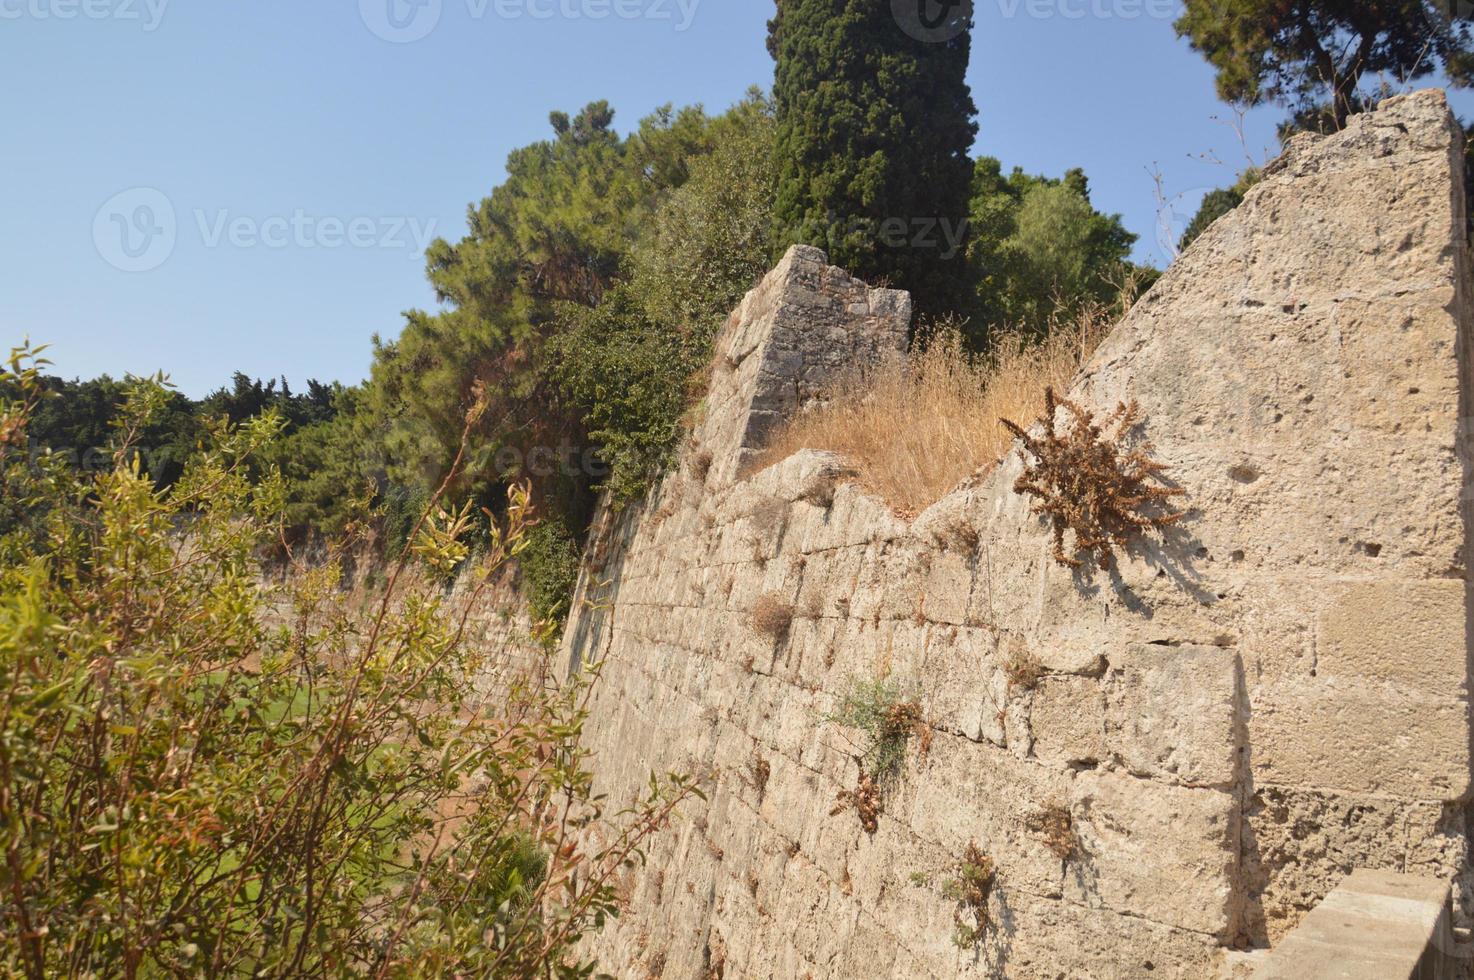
[(1311, 55), (875, 125)]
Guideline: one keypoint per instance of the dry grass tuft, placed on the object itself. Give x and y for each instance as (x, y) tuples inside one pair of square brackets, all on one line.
[(1023, 669), (918, 426), (772, 615), (1056, 828), (1087, 481)]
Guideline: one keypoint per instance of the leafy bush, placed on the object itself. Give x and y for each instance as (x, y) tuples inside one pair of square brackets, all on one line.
[(629, 374), (549, 571), (204, 772), (629, 364), (1039, 253)]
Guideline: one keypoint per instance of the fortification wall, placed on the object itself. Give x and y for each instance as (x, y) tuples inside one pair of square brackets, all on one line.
[(1235, 717)]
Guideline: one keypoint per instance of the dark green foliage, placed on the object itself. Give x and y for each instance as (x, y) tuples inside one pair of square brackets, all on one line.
[(628, 374), (79, 419), (1311, 55), (875, 127), (711, 240), (400, 508), (1039, 250), (628, 364), (558, 231), (1215, 205), (549, 571)]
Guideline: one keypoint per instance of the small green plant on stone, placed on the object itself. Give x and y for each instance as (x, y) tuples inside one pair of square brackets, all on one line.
[(888, 717), (976, 875)]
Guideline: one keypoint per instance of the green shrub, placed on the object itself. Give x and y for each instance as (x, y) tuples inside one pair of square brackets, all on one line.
[(208, 771), (630, 363), (549, 571), (888, 717)]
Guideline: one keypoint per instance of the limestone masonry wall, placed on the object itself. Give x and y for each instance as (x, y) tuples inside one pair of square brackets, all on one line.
[(1235, 718)]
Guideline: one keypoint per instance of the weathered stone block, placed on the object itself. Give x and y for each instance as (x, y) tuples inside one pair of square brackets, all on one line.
[(1360, 737), (1173, 713), (1410, 633), (1165, 853), (1067, 719)]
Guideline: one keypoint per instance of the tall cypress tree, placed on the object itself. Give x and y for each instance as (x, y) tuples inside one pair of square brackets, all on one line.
[(875, 128)]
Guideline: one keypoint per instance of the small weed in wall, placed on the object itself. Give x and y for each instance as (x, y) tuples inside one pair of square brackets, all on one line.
[(976, 874), (958, 536), (1023, 669), (865, 799), (1056, 828), (820, 490), (888, 720), (1087, 482), (758, 772), (771, 616)]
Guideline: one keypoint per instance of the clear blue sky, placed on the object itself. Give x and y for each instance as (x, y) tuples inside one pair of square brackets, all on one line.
[(304, 155)]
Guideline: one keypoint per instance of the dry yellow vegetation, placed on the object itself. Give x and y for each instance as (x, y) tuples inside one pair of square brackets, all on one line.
[(915, 427)]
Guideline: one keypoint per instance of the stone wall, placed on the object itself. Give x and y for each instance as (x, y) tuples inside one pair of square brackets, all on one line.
[(1235, 718)]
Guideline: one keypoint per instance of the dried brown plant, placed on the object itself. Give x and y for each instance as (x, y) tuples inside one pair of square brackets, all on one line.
[(976, 875), (758, 772), (701, 465), (1085, 480), (1056, 828), (956, 534), (820, 490), (771, 615), (1023, 669), (865, 799)]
